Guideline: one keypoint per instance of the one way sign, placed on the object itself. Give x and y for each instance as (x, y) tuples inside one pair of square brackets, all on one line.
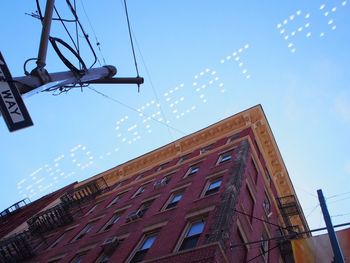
[(11, 104)]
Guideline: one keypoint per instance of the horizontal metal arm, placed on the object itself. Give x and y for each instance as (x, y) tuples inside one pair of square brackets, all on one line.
[(137, 80)]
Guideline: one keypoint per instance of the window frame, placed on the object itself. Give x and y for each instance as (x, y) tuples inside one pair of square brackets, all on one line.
[(57, 240), (139, 191), (138, 248), (170, 200), (209, 183), (192, 170), (113, 220), (264, 246), (187, 230), (77, 257), (82, 233), (225, 157), (267, 205)]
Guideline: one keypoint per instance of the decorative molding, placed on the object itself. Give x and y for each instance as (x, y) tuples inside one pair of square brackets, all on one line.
[(253, 118)]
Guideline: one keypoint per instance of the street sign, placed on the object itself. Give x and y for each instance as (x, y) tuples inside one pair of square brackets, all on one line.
[(12, 106)]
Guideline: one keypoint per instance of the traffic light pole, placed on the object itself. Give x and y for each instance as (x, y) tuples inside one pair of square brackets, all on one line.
[(338, 256)]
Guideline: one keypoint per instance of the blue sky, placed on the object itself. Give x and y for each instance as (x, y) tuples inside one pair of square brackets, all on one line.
[(202, 61)]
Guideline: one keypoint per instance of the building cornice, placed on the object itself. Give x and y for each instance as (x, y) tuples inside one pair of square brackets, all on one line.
[(253, 118)]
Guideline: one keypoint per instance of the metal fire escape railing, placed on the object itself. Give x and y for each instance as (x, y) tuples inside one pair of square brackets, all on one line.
[(85, 192), (14, 208), (289, 208), (50, 219), (16, 248)]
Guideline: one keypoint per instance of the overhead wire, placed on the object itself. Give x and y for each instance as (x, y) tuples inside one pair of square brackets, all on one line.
[(135, 110), (262, 253), (312, 210), (148, 74), (131, 39), (336, 195), (98, 44), (261, 220)]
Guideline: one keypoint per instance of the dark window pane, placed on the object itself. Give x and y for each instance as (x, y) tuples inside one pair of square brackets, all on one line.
[(139, 256), (189, 242)]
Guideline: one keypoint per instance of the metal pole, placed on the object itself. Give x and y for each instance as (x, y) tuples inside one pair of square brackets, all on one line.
[(45, 33), (338, 256)]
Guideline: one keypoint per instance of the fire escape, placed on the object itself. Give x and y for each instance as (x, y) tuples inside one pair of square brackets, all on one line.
[(291, 213), (17, 248), (50, 219)]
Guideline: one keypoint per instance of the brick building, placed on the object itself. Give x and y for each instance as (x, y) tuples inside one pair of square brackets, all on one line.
[(221, 194)]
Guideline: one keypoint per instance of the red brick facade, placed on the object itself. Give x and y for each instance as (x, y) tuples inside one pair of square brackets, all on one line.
[(195, 209)]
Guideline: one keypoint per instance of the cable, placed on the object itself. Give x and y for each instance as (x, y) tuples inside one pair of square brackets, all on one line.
[(287, 237), (261, 254), (305, 191), (131, 41), (66, 29), (313, 209), (259, 219), (151, 82), (77, 35), (83, 31), (133, 109), (25, 65), (93, 31), (332, 196)]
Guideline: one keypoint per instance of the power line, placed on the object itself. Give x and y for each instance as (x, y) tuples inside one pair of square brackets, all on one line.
[(313, 209), (98, 44), (135, 110), (151, 81), (287, 237), (263, 253), (130, 36), (336, 195)]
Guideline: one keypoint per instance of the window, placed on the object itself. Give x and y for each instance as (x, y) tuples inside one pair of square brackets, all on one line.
[(144, 206), (78, 258), (264, 247), (91, 210), (114, 201), (139, 191), (134, 215), (206, 149), (114, 219), (143, 248), (55, 243), (254, 171), (104, 258), (192, 235), (84, 231), (213, 187), (249, 205), (160, 183), (225, 157), (267, 205), (116, 186), (162, 166), (184, 158), (174, 199), (192, 170)]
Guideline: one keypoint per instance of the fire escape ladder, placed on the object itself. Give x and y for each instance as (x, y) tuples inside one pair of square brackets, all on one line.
[(16, 248), (50, 219)]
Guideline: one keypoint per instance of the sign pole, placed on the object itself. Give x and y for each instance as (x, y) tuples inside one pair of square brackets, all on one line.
[(338, 256)]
